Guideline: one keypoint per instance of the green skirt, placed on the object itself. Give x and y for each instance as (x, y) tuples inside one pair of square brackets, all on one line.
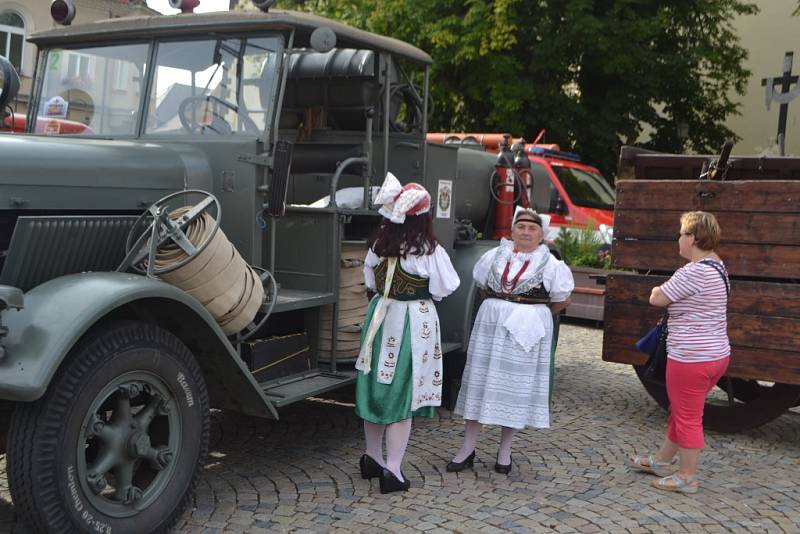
[(383, 404)]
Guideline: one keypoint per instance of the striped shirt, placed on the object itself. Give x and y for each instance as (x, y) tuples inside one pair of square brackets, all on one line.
[(698, 323)]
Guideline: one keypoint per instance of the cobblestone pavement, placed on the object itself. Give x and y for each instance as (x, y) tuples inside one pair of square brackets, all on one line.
[(301, 474)]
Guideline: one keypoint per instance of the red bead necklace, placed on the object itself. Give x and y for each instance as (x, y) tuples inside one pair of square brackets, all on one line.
[(506, 286)]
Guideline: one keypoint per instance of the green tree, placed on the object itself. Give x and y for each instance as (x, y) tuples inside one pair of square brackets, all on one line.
[(595, 73)]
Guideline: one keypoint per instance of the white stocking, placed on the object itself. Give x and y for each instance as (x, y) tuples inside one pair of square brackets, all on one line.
[(397, 435), (373, 435), (471, 431), (504, 452)]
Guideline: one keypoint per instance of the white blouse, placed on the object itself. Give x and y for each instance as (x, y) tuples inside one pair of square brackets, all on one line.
[(524, 322), (543, 268), (436, 267)]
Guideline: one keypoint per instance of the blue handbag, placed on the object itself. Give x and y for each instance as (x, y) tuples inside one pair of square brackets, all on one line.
[(654, 344), (649, 341)]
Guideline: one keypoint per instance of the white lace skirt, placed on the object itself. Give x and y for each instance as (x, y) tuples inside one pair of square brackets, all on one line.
[(503, 384)]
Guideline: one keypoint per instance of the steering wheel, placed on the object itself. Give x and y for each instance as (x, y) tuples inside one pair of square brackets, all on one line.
[(188, 111)]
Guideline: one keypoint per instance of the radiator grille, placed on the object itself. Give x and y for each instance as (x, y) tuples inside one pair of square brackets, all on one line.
[(43, 248)]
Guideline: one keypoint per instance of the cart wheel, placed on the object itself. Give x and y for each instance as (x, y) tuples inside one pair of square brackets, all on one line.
[(735, 404), (155, 229)]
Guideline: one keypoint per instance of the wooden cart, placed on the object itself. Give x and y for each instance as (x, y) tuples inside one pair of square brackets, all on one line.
[(758, 208)]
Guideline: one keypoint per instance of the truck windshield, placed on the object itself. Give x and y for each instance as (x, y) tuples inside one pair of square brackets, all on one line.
[(585, 188), (91, 91), (215, 87)]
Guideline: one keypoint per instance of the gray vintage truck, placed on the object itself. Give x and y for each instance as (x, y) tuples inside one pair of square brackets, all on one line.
[(107, 375)]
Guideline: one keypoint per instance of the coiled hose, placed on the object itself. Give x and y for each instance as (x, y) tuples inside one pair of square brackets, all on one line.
[(218, 277)]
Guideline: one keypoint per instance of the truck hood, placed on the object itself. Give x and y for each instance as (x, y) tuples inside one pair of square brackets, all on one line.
[(63, 173)]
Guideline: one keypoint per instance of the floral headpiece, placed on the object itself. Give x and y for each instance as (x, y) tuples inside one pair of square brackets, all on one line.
[(397, 200)]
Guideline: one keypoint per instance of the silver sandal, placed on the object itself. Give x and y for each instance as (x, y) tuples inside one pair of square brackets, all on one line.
[(677, 484), (653, 466)]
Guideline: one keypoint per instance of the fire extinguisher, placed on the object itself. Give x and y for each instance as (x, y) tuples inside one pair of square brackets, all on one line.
[(504, 198), (522, 166)]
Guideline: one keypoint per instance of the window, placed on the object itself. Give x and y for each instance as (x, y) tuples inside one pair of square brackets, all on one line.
[(585, 188), (12, 37), (80, 90), (78, 66), (121, 78), (214, 87)]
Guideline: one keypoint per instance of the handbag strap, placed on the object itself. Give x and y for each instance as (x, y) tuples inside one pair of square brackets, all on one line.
[(722, 273)]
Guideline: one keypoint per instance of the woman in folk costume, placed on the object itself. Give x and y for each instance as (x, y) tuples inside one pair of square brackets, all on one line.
[(506, 380), (400, 362)]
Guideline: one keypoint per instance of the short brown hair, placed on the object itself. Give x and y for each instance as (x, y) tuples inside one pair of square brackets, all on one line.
[(704, 227)]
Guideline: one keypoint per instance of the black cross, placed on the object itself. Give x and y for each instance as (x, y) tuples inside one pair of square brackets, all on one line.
[(785, 82)]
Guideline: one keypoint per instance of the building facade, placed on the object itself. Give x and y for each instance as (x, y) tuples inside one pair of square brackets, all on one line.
[(767, 37), (20, 18)]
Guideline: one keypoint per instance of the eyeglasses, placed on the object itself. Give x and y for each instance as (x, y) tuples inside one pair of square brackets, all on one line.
[(680, 235)]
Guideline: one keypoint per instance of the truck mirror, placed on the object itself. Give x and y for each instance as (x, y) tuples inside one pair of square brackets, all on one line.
[(558, 206), (281, 167), (323, 39), (9, 84)]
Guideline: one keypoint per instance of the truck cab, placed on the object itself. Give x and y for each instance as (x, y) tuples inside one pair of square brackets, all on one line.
[(573, 193), (577, 194), (107, 375)]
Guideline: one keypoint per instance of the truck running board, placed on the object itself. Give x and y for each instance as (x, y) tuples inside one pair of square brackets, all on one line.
[(298, 387)]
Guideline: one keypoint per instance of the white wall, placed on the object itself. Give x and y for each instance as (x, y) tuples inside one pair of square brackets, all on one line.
[(767, 36)]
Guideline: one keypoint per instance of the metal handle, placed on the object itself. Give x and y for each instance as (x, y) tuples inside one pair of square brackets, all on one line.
[(339, 170)]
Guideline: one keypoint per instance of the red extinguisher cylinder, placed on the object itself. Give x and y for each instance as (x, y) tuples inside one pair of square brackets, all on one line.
[(504, 210)]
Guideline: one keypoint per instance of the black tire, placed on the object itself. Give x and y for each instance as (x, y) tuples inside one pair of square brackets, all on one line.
[(50, 442)]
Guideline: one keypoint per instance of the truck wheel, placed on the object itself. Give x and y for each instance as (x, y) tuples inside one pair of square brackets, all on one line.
[(117, 442)]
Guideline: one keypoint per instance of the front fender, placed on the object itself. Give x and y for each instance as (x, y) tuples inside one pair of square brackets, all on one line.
[(60, 311)]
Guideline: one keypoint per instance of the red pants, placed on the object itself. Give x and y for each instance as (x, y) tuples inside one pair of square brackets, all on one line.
[(687, 387)]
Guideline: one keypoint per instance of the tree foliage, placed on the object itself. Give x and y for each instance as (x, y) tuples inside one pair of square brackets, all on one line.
[(595, 73)]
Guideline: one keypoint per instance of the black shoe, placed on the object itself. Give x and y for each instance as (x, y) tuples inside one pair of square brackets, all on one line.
[(369, 467), (390, 483), (455, 467), (503, 469)]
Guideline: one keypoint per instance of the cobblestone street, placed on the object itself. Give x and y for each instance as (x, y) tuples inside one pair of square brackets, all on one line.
[(301, 473)]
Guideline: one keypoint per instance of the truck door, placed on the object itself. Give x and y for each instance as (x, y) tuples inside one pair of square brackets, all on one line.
[(543, 190)]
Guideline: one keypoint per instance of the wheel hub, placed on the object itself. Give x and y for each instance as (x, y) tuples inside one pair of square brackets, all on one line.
[(127, 456)]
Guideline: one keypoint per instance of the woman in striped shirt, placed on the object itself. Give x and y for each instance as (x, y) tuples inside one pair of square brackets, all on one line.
[(698, 350)]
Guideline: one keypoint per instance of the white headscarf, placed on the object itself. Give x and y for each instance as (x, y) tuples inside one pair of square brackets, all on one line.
[(519, 210), (397, 200)]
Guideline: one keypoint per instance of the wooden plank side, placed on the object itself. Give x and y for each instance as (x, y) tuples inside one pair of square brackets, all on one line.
[(753, 364), (752, 331), (684, 167), (684, 195), (764, 324), (754, 298), (746, 260), (753, 227)]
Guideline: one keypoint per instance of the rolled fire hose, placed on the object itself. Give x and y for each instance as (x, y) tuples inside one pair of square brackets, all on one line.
[(218, 276)]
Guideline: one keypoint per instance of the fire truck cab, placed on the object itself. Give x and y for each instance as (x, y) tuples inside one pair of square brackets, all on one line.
[(573, 193)]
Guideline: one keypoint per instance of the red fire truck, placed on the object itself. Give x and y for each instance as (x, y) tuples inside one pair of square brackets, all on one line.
[(556, 182), (17, 124)]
